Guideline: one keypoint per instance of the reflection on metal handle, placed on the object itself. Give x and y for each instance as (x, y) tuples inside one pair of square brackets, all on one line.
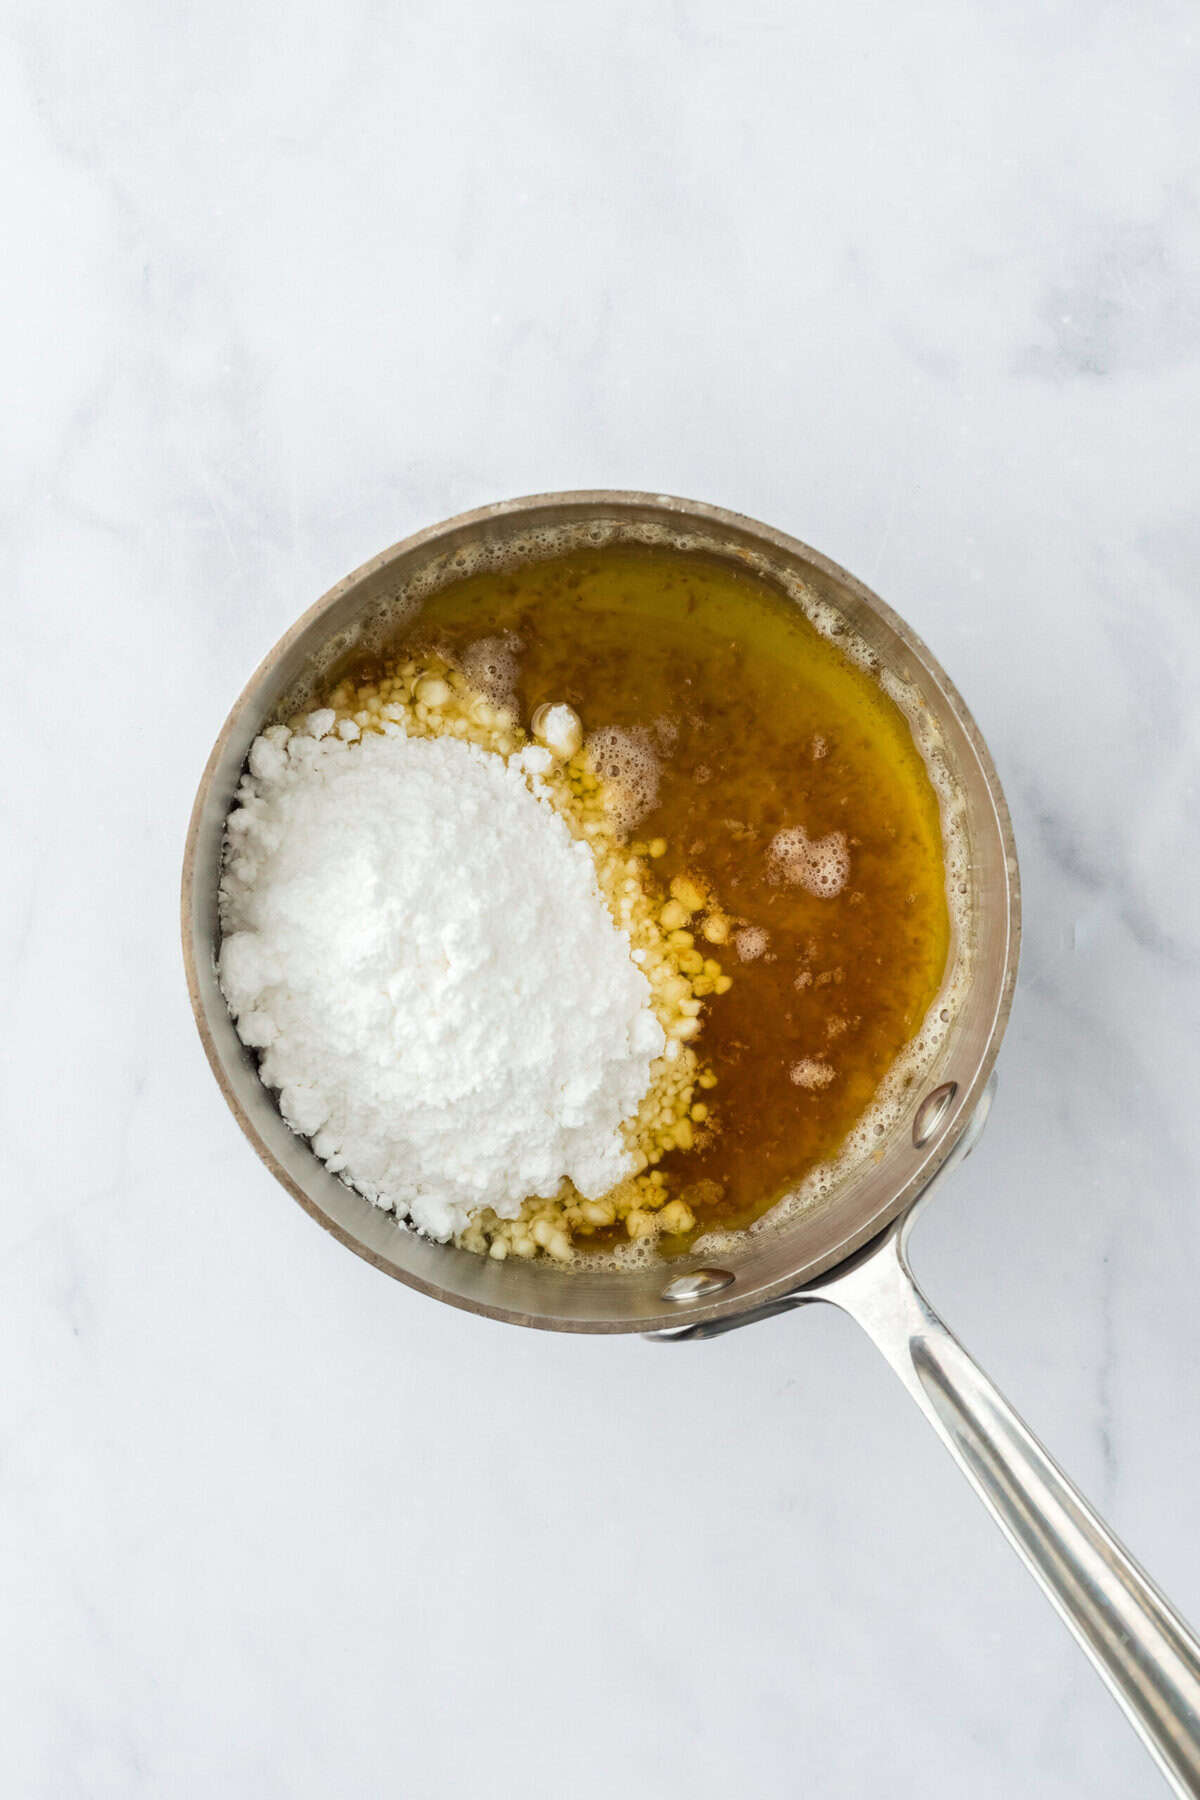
[(1141, 1647)]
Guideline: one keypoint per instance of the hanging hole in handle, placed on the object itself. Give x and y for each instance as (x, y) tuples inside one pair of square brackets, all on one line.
[(931, 1114)]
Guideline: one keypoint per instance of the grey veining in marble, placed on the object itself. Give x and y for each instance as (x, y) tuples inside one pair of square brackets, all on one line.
[(918, 284)]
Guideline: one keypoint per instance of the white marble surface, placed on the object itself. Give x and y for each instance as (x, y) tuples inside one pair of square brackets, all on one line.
[(918, 284)]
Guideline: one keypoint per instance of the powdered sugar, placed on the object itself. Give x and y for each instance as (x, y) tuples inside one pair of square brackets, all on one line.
[(417, 946)]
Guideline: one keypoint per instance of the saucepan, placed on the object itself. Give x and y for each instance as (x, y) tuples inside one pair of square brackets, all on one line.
[(851, 1250)]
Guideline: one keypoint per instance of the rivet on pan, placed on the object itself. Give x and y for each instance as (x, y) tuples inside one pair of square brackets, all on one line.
[(932, 1111), (698, 1285)]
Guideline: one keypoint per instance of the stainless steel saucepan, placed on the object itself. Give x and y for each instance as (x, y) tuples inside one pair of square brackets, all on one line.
[(851, 1251)]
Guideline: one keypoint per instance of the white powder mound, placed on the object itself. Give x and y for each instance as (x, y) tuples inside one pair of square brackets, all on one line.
[(418, 948), (820, 865), (559, 728)]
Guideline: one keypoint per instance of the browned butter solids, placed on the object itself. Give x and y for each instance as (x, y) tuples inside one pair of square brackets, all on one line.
[(760, 725)]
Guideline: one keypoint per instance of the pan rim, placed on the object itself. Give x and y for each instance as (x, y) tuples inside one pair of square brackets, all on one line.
[(731, 1302)]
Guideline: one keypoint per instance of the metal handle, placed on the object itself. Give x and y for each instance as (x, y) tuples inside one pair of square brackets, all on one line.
[(1144, 1652), (1141, 1647)]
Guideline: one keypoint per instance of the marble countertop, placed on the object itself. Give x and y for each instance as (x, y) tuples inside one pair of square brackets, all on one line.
[(919, 285)]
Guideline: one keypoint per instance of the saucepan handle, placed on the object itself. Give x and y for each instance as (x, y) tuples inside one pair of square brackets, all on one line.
[(1141, 1647)]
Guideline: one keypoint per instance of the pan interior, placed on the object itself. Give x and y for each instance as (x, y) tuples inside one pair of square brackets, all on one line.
[(782, 1251)]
